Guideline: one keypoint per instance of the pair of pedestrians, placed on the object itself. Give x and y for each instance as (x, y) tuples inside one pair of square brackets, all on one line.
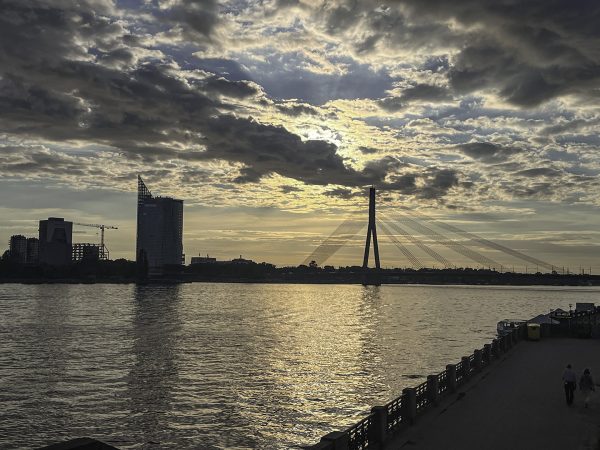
[(586, 384)]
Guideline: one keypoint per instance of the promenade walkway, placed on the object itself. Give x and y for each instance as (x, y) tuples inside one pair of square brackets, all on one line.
[(518, 403)]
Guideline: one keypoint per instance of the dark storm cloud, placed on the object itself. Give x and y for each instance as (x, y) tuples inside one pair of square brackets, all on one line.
[(438, 183), (296, 109), (420, 92), (528, 52), (343, 193), (235, 89), (487, 152), (142, 111), (267, 149), (197, 19)]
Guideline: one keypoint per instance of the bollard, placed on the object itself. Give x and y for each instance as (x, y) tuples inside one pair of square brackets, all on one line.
[(409, 405), (487, 353), (433, 389), (378, 428), (477, 362), (451, 377), (338, 439), (466, 364)]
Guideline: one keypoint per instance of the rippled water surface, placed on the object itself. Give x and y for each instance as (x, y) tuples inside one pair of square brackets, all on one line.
[(231, 365)]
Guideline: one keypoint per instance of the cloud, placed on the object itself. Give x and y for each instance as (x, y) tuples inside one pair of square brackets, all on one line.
[(296, 109), (487, 152), (539, 172), (419, 92)]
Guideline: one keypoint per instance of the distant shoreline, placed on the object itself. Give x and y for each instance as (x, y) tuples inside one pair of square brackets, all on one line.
[(428, 278)]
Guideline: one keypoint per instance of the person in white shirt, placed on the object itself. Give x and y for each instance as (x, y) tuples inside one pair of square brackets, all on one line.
[(587, 386)]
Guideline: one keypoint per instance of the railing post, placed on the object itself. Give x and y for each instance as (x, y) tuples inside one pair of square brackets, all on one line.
[(409, 405), (339, 439), (487, 351), (433, 388), (477, 362), (466, 365), (496, 346), (378, 428), (451, 377)]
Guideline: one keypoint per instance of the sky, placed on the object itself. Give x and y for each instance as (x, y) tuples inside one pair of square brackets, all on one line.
[(271, 118)]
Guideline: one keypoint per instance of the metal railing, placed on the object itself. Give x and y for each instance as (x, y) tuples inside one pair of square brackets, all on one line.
[(401, 411), (422, 396), (394, 414), (358, 435), (442, 382)]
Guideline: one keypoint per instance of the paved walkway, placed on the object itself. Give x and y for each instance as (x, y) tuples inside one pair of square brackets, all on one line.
[(518, 403)]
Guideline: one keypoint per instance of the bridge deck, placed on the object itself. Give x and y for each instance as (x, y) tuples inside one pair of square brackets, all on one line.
[(518, 403)]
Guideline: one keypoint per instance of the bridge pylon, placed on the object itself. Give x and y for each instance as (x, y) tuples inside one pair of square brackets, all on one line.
[(371, 231)]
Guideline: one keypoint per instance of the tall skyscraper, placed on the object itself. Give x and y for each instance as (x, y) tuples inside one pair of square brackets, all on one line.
[(18, 249), (159, 230), (56, 240), (33, 250)]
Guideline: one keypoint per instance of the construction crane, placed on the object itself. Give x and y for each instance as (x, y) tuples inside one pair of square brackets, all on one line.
[(103, 250)]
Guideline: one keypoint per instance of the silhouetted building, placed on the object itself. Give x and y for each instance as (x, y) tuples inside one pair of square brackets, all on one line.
[(55, 245), (203, 260), (159, 230), (18, 249), (241, 260), (86, 252), (33, 250)]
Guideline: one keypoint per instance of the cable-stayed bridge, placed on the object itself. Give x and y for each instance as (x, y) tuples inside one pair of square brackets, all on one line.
[(419, 239)]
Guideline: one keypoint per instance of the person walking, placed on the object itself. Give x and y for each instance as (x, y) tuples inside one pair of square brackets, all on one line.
[(570, 382), (586, 384)]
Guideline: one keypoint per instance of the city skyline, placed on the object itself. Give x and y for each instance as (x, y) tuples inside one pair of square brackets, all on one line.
[(270, 121)]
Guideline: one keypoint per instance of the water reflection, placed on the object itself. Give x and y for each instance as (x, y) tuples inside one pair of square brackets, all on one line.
[(153, 374), (229, 365)]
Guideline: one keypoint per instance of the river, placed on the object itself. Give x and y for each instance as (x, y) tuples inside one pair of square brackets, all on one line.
[(212, 366)]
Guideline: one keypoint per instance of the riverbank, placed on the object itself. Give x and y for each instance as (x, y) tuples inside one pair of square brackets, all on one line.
[(477, 278)]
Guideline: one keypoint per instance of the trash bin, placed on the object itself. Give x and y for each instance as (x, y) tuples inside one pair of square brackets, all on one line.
[(533, 331)]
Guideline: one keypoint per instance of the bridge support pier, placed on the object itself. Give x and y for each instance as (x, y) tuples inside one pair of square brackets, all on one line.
[(371, 231)]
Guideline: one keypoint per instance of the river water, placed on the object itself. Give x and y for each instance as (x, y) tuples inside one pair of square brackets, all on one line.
[(211, 366)]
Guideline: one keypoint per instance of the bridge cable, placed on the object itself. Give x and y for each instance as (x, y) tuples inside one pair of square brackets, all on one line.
[(431, 252), (453, 245), (485, 242), (409, 255), (336, 240)]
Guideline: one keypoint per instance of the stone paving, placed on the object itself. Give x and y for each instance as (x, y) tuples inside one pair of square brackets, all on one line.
[(517, 403)]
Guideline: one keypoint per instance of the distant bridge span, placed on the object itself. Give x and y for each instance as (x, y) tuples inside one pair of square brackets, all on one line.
[(411, 232)]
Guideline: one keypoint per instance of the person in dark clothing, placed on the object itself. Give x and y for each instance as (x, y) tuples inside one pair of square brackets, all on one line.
[(570, 382)]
